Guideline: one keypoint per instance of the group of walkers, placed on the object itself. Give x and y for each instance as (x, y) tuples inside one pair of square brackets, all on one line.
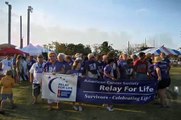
[(108, 66)]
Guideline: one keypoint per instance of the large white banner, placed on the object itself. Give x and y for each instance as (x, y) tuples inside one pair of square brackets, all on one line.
[(59, 87)]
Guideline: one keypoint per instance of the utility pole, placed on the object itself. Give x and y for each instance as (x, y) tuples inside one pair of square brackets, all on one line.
[(128, 48), (9, 22), (30, 9), (21, 38)]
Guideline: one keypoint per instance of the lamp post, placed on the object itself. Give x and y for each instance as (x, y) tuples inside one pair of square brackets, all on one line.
[(30, 9), (21, 38), (9, 22)]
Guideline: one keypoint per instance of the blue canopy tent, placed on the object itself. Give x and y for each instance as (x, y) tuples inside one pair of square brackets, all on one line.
[(157, 51)]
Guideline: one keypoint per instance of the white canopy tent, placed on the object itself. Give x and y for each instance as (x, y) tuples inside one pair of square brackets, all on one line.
[(32, 50), (42, 49)]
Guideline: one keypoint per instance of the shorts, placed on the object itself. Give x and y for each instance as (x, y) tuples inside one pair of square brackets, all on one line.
[(36, 89), (164, 83), (7, 96)]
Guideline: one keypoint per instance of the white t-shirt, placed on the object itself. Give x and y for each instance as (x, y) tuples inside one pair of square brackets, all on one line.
[(24, 65), (6, 65), (37, 71)]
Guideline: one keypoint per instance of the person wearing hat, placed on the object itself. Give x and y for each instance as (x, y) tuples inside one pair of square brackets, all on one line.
[(36, 74), (163, 77)]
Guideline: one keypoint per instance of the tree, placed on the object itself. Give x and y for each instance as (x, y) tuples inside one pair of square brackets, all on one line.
[(96, 48), (87, 50), (69, 49), (105, 48), (80, 48)]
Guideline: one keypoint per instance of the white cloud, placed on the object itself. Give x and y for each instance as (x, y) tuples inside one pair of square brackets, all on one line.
[(87, 37), (142, 11), (161, 39), (44, 30)]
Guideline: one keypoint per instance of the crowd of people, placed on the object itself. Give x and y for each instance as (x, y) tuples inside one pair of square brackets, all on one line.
[(141, 67)]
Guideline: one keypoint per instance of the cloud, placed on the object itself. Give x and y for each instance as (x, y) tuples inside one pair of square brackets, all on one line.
[(142, 11), (86, 37), (160, 39), (44, 30)]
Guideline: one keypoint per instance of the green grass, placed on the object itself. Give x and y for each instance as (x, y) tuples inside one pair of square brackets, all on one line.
[(26, 111)]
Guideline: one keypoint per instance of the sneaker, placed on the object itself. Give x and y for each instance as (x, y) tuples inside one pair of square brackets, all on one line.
[(104, 105), (75, 108), (80, 108), (110, 109)]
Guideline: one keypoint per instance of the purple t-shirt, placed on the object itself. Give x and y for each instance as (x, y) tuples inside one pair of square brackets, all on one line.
[(107, 69), (91, 66), (123, 66), (49, 67), (76, 72), (30, 63), (164, 68)]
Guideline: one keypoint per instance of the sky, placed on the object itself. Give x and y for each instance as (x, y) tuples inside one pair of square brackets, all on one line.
[(91, 22)]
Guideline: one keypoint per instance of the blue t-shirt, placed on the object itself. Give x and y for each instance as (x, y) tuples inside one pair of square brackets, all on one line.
[(100, 66), (123, 66), (56, 67), (91, 66), (76, 72), (166, 60), (30, 63), (67, 66), (164, 68), (109, 70)]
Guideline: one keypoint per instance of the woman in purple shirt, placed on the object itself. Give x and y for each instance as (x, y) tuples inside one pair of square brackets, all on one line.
[(162, 75), (76, 70), (108, 74)]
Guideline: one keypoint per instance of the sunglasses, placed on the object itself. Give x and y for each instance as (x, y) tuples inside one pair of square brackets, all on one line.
[(51, 56)]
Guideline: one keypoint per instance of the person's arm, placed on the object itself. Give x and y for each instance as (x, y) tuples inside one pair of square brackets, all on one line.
[(31, 73), (109, 76), (158, 71), (107, 71), (135, 66), (17, 66), (118, 73), (62, 70), (1, 84), (31, 77)]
